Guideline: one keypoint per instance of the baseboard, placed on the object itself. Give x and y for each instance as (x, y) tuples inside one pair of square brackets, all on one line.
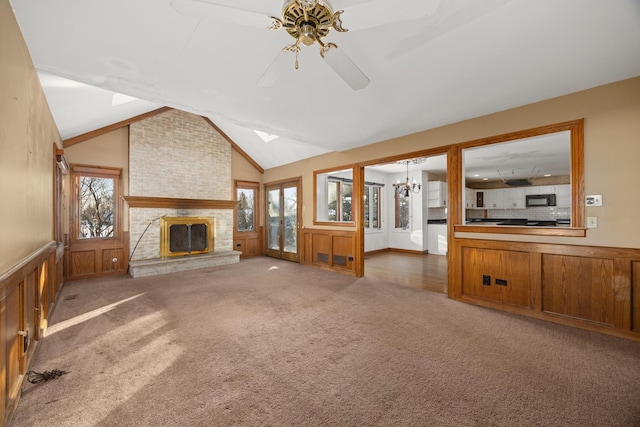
[(403, 251)]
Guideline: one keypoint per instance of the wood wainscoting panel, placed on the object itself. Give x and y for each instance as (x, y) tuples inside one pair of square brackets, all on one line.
[(92, 258), (249, 243), (329, 249), (83, 263), (497, 275), (342, 251), (321, 248), (113, 260), (579, 287), (589, 287), (635, 293), (25, 290)]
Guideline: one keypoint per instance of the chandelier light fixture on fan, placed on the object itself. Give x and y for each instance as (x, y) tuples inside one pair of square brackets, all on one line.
[(308, 22), (406, 188)]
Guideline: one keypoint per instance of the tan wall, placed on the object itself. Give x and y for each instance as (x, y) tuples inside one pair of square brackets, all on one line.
[(612, 128), (243, 170), (27, 134)]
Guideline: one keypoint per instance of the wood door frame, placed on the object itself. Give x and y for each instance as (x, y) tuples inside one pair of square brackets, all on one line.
[(91, 253), (281, 184), (241, 238)]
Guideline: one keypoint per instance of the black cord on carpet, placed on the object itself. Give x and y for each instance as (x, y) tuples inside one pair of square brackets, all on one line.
[(36, 377)]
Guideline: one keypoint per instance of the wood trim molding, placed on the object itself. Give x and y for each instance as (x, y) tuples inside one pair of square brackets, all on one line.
[(234, 145), (176, 203), (95, 133), (532, 231), (26, 265)]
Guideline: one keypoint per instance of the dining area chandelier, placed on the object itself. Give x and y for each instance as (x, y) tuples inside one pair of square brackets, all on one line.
[(405, 189)]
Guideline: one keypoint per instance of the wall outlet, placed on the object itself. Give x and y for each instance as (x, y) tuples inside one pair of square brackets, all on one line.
[(594, 200), (592, 222)]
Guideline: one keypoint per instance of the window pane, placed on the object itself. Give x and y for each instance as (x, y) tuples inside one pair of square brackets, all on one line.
[(273, 198), (332, 200), (97, 207), (345, 198), (246, 207), (402, 211), (366, 205), (291, 219), (375, 208)]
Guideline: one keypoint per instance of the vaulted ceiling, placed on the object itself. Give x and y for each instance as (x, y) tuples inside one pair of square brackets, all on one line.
[(429, 62)]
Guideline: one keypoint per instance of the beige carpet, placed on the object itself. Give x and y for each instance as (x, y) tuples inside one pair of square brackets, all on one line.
[(272, 343)]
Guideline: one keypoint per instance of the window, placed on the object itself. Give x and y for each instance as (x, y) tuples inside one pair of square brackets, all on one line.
[(96, 196), (372, 206), (333, 196), (339, 192), (401, 211), (342, 209), (247, 197)]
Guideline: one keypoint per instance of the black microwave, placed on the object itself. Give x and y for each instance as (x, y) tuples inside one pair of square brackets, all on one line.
[(534, 200)]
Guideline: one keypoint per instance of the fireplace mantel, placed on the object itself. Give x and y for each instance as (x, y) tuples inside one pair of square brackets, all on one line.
[(176, 203)]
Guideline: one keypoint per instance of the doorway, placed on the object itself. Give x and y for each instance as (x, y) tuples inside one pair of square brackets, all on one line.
[(283, 220), (405, 221)]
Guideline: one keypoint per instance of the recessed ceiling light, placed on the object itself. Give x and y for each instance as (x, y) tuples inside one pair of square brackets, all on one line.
[(547, 174), (485, 179), (476, 175), (266, 137)]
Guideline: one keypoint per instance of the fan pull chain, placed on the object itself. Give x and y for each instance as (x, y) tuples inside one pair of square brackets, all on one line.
[(297, 52)]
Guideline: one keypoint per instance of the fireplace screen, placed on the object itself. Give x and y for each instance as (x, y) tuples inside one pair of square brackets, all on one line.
[(186, 236)]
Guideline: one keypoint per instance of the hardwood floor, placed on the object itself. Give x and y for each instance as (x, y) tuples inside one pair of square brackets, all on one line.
[(428, 272)]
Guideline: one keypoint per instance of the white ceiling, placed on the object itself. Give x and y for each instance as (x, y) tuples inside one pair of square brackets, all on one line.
[(430, 62)]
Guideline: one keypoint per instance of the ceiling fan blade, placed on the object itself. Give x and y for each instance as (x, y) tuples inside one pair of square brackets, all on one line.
[(345, 67), (377, 13), (222, 13), (277, 68)]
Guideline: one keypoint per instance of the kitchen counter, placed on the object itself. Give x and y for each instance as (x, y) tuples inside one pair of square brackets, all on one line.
[(519, 222)]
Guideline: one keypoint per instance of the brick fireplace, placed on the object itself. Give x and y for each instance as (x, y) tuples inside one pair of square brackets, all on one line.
[(179, 169)]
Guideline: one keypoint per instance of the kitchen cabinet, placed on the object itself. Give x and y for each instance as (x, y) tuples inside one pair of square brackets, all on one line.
[(504, 198), (563, 196), (436, 194), (437, 239), (494, 199), (540, 189), (513, 198), (469, 198)]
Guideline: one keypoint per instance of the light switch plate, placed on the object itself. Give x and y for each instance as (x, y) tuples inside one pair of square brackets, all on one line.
[(594, 200), (592, 222)]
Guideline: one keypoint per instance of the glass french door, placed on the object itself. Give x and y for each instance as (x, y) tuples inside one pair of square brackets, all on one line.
[(283, 219)]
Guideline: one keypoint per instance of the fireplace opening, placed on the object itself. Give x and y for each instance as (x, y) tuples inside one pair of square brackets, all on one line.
[(186, 235)]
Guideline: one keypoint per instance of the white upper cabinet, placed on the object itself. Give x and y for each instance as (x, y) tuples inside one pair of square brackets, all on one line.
[(469, 198), (513, 198), (504, 198), (563, 196), (436, 194)]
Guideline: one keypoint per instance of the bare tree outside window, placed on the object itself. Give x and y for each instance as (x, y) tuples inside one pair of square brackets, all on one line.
[(97, 207), (402, 211), (246, 208)]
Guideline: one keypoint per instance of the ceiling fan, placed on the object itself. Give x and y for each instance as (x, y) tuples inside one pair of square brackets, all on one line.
[(308, 22)]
